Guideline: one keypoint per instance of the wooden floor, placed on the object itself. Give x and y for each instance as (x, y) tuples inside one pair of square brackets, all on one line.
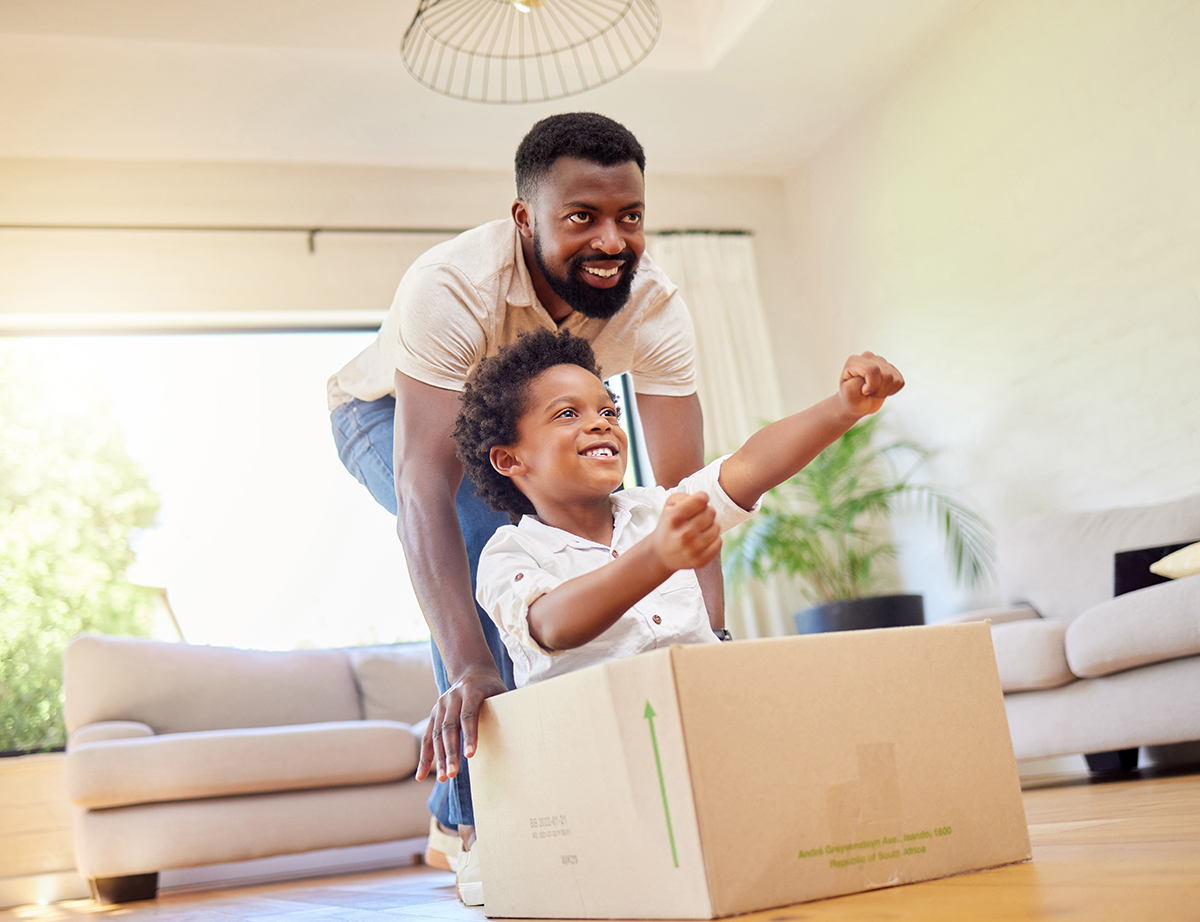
[(1127, 850)]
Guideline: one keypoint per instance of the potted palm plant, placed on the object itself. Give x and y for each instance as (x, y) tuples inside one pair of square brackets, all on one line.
[(827, 526)]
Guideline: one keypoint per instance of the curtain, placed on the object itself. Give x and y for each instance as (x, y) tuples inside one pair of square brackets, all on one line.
[(736, 378)]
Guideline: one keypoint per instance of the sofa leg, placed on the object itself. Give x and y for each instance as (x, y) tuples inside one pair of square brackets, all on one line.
[(130, 889), (1121, 760)]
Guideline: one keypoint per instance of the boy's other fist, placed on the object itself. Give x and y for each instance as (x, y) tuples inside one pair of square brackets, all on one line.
[(867, 381), (687, 535)]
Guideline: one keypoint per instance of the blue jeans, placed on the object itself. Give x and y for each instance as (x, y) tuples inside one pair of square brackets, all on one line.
[(363, 433)]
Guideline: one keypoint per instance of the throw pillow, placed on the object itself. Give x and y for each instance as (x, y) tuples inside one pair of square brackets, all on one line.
[(1183, 562), (1131, 569), (395, 681)]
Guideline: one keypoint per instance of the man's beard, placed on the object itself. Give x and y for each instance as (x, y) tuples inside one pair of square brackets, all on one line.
[(597, 303)]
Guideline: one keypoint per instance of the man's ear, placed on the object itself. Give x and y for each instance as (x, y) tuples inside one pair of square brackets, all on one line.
[(522, 212), (505, 462)]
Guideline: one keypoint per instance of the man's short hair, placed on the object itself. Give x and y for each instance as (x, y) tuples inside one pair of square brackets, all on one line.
[(583, 135), (493, 401)]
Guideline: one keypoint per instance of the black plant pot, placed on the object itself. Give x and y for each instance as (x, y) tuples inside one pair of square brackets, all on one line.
[(861, 614)]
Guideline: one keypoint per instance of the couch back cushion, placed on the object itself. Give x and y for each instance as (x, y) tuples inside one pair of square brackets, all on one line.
[(395, 681), (176, 687), (1062, 564)]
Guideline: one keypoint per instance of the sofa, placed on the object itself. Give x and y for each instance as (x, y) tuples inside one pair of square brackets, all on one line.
[(180, 756), (1085, 671)]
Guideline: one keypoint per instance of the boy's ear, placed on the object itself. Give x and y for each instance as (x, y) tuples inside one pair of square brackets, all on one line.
[(504, 461)]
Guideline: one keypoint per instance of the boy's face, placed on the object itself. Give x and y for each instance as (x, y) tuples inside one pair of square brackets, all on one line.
[(570, 448)]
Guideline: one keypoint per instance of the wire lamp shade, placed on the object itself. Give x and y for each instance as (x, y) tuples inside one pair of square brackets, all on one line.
[(512, 51)]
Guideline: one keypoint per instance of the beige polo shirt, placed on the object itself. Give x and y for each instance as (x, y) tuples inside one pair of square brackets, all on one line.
[(467, 297)]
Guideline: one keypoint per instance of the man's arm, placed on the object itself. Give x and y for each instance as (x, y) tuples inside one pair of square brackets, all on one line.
[(427, 478), (674, 429)]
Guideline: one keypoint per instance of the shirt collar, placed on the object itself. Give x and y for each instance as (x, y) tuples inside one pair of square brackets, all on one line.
[(555, 539), (520, 285)]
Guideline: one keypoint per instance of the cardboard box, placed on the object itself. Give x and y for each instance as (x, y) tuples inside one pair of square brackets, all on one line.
[(704, 781)]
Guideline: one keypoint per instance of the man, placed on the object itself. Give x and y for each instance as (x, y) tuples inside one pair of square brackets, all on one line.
[(572, 258)]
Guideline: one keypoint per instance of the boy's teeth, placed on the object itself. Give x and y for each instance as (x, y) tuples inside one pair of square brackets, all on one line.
[(603, 273), (599, 453)]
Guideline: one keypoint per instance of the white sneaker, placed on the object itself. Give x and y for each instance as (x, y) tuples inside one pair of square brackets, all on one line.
[(443, 848), (470, 878)]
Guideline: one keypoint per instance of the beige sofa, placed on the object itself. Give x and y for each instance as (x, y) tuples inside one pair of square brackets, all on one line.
[(180, 756), (1084, 671)]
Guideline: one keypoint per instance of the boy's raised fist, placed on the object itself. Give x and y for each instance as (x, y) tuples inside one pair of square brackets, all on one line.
[(867, 381), (687, 535)]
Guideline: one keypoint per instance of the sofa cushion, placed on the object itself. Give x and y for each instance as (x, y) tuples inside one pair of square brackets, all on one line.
[(395, 682), (1030, 654), (1147, 626), (219, 763), (1062, 564), (145, 838), (1155, 704), (175, 687)]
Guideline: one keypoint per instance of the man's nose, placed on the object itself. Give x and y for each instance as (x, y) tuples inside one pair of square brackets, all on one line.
[(608, 239)]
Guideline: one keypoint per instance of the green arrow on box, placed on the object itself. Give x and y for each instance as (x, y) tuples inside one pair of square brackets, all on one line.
[(649, 715)]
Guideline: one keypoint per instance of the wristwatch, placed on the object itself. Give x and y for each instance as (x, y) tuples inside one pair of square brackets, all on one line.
[(723, 634)]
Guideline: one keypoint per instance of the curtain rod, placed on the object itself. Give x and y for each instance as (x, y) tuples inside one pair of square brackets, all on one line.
[(701, 230), (312, 232)]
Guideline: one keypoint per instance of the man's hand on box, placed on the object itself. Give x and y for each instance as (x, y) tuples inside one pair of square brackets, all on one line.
[(867, 381), (455, 718), (687, 535)]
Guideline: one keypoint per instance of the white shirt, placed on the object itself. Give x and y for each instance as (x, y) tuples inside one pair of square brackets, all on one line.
[(525, 561), (465, 298)]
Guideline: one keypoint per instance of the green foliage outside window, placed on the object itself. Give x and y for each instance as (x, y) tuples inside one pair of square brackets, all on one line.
[(71, 498)]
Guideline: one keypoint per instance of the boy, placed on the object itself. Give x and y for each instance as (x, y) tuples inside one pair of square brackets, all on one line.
[(590, 575)]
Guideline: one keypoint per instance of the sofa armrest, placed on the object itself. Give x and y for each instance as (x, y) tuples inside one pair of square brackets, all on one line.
[(1160, 622), (1030, 654), (995, 615), (108, 730)]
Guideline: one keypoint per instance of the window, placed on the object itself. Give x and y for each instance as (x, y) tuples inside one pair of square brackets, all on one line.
[(264, 540)]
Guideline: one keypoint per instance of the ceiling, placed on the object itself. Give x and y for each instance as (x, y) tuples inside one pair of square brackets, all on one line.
[(732, 85)]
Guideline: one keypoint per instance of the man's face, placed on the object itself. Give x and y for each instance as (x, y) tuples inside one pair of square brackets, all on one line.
[(587, 233)]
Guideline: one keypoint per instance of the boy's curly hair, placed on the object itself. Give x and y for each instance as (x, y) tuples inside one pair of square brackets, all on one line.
[(494, 399)]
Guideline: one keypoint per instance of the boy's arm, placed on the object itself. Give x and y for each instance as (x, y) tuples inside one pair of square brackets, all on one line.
[(581, 609), (778, 451)]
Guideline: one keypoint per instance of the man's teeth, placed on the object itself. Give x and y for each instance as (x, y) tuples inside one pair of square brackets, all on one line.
[(598, 453), (603, 273)]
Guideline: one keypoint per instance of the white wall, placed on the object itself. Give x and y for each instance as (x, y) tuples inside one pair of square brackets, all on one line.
[(1016, 224)]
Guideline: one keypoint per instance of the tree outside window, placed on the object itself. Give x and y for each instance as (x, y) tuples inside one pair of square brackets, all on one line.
[(71, 500)]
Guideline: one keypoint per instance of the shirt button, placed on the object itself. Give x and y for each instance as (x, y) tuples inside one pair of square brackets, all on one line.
[(657, 619), (518, 577), (614, 553)]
